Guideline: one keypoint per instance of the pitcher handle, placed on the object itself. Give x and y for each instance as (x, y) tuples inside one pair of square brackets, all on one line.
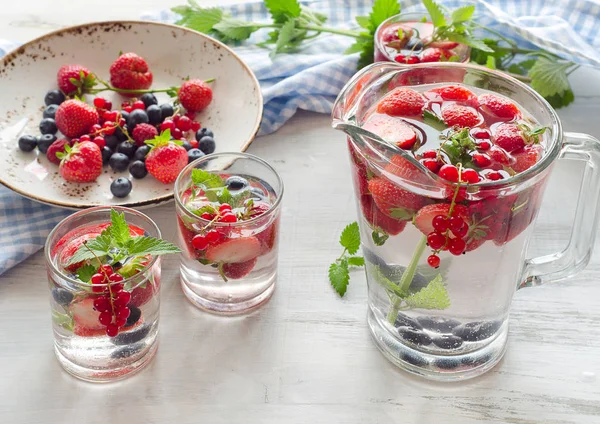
[(576, 255)]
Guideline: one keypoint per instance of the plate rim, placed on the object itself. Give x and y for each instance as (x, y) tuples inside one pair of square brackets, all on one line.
[(19, 50)]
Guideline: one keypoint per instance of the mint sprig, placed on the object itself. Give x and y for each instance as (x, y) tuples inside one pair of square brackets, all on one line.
[(339, 271)]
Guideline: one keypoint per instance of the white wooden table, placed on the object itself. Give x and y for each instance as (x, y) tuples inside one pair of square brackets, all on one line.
[(307, 356)]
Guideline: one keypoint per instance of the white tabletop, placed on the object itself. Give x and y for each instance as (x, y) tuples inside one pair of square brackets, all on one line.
[(307, 356)]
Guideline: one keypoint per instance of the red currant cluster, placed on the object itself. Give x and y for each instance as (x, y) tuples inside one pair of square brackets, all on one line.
[(441, 239), (112, 305), (180, 125), (225, 215)]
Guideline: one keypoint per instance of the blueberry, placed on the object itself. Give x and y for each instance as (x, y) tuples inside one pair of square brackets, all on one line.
[(236, 183), (127, 351), (61, 296), (207, 145), (414, 336), (121, 187), (118, 162), (154, 114), (186, 145), (137, 116), (54, 97), (413, 359), (106, 154), (124, 115), (194, 154), (137, 169), (141, 152), (447, 364), (134, 315), (28, 142), (166, 110), (438, 324), (149, 99), (50, 111), (130, 337), (127, 148), (204, 132), (111, 141), (447, 341), (475, 331), (48, 126), (45, 141), (414, 43), (403, 320)]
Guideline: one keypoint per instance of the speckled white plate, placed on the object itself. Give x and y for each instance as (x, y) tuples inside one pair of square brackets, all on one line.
[(173, 53)]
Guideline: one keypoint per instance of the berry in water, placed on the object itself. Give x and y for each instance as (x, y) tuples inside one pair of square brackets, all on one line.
[(440, 223), (449, 172), (436, 240), (433, 261), (235, 183)]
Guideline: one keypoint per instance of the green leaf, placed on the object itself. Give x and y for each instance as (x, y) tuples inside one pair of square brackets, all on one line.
[(435, 13), (383, 9), (235, 29), (85, 272), (561, 100), (212, 195), (142, 246), (389, 285), (462, 14), (184, 11), (364, 22), (491, 62), (403, 214), (202, 20), (379, 238), (205, 209), (433, 120), (224, 196), (201, 177), (356, 261), (432, 296), (237, 200), (339, 277), (350, 238), (64, 320), (549, 77), (119, 230), (356, 47), (285, 36), (100, 246), (281, 10), (469, 41)]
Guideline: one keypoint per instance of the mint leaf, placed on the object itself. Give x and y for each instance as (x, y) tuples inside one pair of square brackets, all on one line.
[(491, 62), (364, 22), (281, 10), (350, 238), (561, 100), (119, 230), (432, 296), (100, 246), (471, 42), (549, 77), (142, 246), (462, 14), (402, 214), (133, 266), (356, 261), (384, 281), (224, 196), (285, 36), (339, 277), (379, 238), (201, 177), (205, 209), (64, 320), (200, 19), (234, 29), (433, 120), (383, 9), (435, 13), (85, 272)]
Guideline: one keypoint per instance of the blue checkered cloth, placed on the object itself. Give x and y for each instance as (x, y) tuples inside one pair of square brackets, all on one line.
[(311, 78)]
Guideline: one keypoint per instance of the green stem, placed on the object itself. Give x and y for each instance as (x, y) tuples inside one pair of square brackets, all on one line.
[(311, 27), (407, 278)]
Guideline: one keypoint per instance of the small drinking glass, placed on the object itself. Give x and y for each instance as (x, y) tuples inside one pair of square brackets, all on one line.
[(81, 343), (229, 267)]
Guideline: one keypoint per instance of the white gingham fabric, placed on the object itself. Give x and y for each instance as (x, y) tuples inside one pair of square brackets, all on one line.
[(311, 78)]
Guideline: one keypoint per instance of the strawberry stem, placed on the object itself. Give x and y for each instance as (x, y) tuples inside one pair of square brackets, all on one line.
[(108, 87)]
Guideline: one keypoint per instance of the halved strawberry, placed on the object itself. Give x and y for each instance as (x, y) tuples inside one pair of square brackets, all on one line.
[(526, 158), (498, 106), (85, 317), (402, 102), (388, 196), (455, 93), (234, 250), (434, 54), (71, 248), (425, 215), (509, 137), (377, 219), (235, 271), (499, 157), (142, 294), (393, 130), (403, 168), (462, 116), (268, 237)]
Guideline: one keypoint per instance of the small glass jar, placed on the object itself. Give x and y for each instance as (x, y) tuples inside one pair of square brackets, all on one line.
[(81, 343)]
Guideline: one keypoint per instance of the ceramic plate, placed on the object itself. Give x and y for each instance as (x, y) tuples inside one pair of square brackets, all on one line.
[(173, 53)]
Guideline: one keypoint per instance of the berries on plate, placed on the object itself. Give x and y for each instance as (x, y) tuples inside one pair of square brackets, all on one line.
[(27, 143), (130, 72), (83, 80), (121, 187), (81, 163), (75, 118), (143, 132), (57, 147), (195, 95)]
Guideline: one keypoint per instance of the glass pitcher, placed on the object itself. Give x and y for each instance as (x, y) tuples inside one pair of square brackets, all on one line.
[(451, 322)]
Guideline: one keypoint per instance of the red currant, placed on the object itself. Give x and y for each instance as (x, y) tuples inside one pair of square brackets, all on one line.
[(455, 223), (99, 141), (85, 137), (105, 318), (177, 134), (436, 240), (432, 164), (213, 236), (228, 217), (457, 246), (107, 269), (481, 160), (194, 144), (167, 125), (195, 126), (484, 145), (184, 123), (95, 129), (112, 330), (125, 104), (115, 278), (122, 299), (107, 104), (470, 176), (206, 216), (99, 102), (440, 223), (433, 261), (120, 322), (138, 104), (124, 312), (128, 109), (122, 122), (429, 154), (449, 172), (116, 288), (109, 127), (110, 116), (199, 242), (98, 279), (480, 133), (494, 176), (176, 118), (102, 304), (190, 114), (410, 60), (461, 232), (224, 207)]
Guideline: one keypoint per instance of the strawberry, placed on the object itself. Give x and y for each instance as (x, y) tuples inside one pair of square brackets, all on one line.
[(166, 158), (442, 44), (235, 271), (509, 137), (85, 316), (235, 250), (455, 93), (84, 79), (498, 106), (130, 72), (67, 253), (187, 235), (75, 118), (56, 147), (268, 237), (474, 243), (462, 116), (425, 215), (143, 132), (526, 158), (401, 167), (434, 54), (142, 294), (81, 163), (402, 102), (195, 95), (377, 219), (361, 181), (388, 196), (394, 130)]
